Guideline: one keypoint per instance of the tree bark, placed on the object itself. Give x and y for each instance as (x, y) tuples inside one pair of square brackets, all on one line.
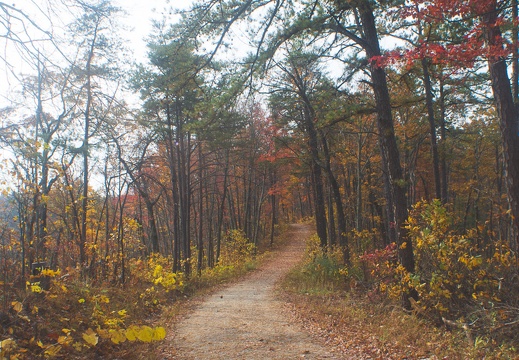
[(222, 207), (317, 179), (387, 138), (443, 144), (508, 116), (432, 126), (85, 150), (154, 235), (341, 219), (171, 151), (200, 210), (273, 204)]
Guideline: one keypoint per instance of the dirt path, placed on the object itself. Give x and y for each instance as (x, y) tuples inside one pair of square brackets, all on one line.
[(246, 321)]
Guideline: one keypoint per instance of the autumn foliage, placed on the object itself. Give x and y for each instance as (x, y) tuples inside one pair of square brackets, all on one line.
[(392, 126), (461, 277)]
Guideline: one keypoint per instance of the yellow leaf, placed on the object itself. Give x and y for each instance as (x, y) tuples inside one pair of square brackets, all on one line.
[(50, 273), (35, 288), (26, 318), (159, 333), (66, 331), (117, 336), (145, 334), (131, 333), (35, 309), (53, 350), (90, 337), (17, 306), (7, 344), (81, 301), (122, 312), (40, 344), (103, 333)]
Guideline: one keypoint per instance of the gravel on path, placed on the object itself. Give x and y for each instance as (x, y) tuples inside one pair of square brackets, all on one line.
[(246, 321)]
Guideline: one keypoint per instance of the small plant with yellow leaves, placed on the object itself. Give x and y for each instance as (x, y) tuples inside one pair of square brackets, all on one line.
[(236, 248)]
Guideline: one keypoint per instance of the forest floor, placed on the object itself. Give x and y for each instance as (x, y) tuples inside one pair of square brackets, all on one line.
[(247, 320)]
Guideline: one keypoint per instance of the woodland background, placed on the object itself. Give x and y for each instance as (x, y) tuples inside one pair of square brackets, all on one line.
[(393, 125)]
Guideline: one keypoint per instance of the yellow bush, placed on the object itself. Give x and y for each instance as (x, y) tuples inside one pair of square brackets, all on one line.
[(236, 248), (457, 275), (159, 272)]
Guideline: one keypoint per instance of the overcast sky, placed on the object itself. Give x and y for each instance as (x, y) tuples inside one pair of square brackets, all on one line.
[(140, 16), (138, 20)]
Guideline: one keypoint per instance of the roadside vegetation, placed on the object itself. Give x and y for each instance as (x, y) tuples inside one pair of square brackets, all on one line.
[(466, 305), (57, 315)]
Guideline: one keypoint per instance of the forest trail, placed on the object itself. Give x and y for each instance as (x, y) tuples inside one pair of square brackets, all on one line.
[(246, 321)]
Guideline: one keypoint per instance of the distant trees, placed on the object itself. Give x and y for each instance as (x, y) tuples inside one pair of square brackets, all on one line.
[(297, 100), (94, 73), (294, 101)]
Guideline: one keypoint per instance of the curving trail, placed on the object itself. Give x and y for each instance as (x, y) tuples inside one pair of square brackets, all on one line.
[(246, 321)]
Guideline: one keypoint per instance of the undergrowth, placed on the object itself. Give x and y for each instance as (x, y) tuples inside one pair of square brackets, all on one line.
[(361, 303), (56, 315)]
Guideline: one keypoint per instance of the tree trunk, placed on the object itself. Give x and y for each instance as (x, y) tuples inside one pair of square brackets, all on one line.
[(154, 235), (222, 207), (387, 138), (317, 180), (358, 186), (508, 115), (443, 144), (341, 219), (171, 151), (200, 211), (85, 150), (432, 126), (183, 164), (273, 205)]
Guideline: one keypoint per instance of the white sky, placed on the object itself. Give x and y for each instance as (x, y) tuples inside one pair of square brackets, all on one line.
[(137, 21), (140, 16)]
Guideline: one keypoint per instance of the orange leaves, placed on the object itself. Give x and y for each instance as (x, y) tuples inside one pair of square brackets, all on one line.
[(17, 306), (453, 33)]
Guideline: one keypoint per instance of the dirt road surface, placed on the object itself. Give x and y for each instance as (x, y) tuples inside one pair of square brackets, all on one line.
[(246, 321)]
